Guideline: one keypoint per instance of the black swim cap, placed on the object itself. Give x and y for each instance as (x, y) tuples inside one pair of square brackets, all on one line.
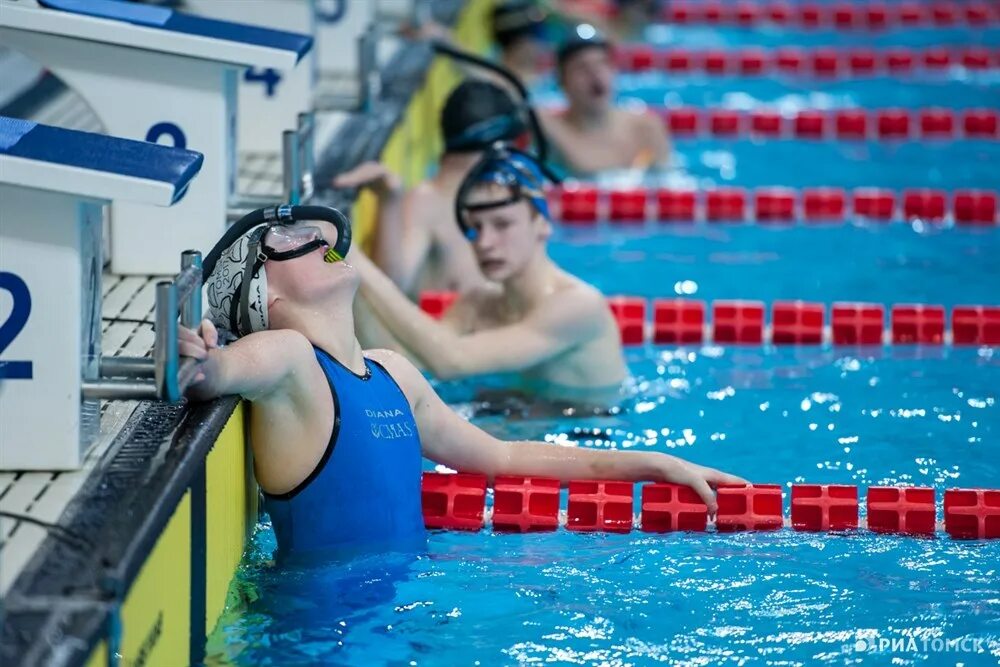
[(478, 114), (583, 36), (516, 19)]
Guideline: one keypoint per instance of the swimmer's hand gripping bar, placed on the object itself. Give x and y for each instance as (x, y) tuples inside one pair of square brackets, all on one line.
[(164, 376)]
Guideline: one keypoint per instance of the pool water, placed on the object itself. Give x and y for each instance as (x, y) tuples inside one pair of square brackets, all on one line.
[(872, 416), (811, 415), (789, 94), (846, 164), (766, 35), (884, 263)]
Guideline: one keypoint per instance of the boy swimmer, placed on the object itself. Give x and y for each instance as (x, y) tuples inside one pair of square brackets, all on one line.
[(532, 318), (338, 432), (518, 30), (592, 135), (418, 244)]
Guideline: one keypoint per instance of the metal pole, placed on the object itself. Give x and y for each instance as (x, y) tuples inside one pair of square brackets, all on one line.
[(290, 167), (190, 296), (165, 351), (127, 367)]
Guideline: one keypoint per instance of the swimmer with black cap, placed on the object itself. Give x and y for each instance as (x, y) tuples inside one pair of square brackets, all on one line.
[(518, 28), (338, 432), (417, 242), (592, 135), (532, 318)]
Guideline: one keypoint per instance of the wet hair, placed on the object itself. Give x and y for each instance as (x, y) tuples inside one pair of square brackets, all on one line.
[(517, 19), (478, 114), (581, 37)]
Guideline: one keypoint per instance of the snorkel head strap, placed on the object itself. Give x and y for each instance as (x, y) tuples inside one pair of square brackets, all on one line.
[(234, 268), (511, 167)]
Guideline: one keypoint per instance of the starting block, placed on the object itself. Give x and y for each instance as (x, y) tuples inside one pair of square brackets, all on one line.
[(153, 74), (53, 184)]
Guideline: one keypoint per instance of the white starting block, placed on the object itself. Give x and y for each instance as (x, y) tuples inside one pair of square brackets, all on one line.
[(154, 74), (269, 100), (340, 24), (53, 184)]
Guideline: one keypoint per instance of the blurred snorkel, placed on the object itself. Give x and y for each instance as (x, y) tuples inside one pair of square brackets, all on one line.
[(541, 145)]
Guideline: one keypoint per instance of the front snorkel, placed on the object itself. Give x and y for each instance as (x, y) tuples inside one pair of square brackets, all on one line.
[(505, 159), (241, 287), (541, 144)]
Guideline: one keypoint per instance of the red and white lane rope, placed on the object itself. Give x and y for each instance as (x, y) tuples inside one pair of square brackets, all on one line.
[(891, 124), (532, 504), (833, 15), (586, 204), (677, 321), (820, 62)]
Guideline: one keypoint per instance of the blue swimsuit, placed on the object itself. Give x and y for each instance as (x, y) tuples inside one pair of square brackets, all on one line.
[(364, 494)]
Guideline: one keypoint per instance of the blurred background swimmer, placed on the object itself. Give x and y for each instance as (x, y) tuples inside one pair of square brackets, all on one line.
[(591, 134), (418, 244), (519, 31), (553, 330)]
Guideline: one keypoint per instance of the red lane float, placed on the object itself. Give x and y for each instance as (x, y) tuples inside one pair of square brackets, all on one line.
[(668, 508), (857, 323), (796, 323), (678, 321), (627, 205), (819, 62), (453, 501), (972, 514), (525, 504), (740, 322), (905, 510), (774, 205), (604, 506), (824, 507), (675, 205), (824, 205), (917, 324), (975, 325), (436, 304), (630, 313), (750, 507), (532, 504), (837, 16)]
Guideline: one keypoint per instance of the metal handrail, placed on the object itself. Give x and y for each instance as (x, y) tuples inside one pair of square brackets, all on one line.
[(299, 160), (164, 376)]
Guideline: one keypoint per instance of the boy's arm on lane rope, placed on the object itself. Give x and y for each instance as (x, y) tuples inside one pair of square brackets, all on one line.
[(256, 366), (561, 324), (452, 441)]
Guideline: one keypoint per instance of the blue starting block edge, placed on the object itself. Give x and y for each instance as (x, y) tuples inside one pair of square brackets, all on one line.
[(97, 152), (162, 18)]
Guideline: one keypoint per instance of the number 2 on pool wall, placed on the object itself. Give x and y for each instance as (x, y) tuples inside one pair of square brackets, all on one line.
[(14, 370)]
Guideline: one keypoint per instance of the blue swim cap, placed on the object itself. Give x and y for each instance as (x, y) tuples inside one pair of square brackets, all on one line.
[(519, 173), (510, 167)]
